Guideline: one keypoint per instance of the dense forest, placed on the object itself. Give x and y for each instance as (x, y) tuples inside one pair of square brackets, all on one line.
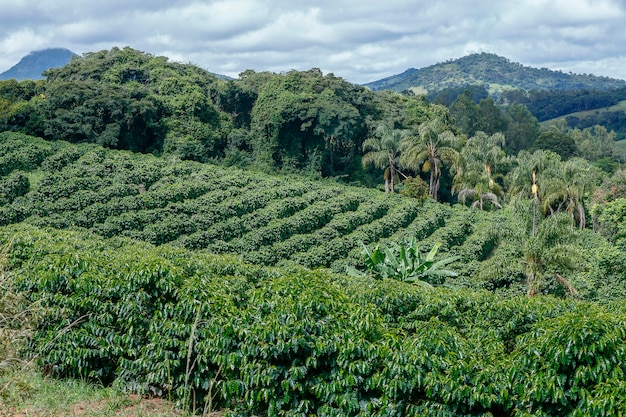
[(293, 244)]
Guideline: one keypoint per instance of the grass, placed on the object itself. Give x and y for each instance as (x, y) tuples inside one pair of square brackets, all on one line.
[(35, 177), (26, 392)]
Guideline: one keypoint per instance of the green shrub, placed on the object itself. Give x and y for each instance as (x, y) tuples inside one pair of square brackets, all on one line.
[(286, 341), (14, 185)]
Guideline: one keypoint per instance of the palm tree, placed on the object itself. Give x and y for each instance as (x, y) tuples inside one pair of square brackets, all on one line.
[(530, 170), (568, 188), (549, 252), (475, 180), (555, 185), (383, 151), (434, 145), (480, 188)]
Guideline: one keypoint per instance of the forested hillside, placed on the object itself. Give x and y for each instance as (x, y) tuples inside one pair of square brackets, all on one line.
[(496, 73), (547, 94), (292, 244)]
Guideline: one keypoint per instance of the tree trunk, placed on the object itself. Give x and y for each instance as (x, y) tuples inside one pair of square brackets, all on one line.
[(582, 221), (566, 284), (386, 176)]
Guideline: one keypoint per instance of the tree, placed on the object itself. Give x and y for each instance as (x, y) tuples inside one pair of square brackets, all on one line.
[(550, 251), (529, 166), (466, 114), (127, 99), (383, 152), (522, 130), (491, 118), (555, 186), (594, 143), (476, 180), (307, 121), (611, 220), (568, 188), (556, 141), (434, 145)]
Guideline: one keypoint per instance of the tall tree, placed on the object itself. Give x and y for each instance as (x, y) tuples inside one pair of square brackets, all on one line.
[(594, 142), (307, 121), (481, 157), (466, 114), (556, 141), (522, 129), (568, 188), (434, 146), (519, 181), (550, 252), (382, 150), (491, 118)]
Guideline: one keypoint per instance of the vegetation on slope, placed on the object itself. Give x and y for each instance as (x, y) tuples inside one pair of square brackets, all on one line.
[(178, 273), (494, 72), (273, 220), (257, 340)]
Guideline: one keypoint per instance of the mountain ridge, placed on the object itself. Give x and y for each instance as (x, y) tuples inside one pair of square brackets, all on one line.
[(32, 65), (496, 73)]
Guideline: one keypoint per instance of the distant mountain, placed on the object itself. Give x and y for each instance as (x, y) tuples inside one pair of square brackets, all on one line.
[(32, 65), (496, 73)]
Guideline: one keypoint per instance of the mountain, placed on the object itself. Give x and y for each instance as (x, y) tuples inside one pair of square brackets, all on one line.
[(496, 73), (32, 65)]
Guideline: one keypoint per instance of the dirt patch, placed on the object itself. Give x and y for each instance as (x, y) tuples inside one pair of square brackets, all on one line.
[(128, 406), (125, 406)]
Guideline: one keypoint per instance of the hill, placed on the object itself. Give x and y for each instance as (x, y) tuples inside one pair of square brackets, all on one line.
[(266, 219), (32, 65), (181, 279), (495, 72)]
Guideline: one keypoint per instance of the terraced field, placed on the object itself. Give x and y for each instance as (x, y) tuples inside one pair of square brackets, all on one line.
[(186, 281), (269, 220)]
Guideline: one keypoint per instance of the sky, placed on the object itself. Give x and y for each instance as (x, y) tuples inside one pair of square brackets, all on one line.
[(358, 40)]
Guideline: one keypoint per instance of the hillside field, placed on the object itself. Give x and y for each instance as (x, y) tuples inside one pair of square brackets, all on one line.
[(225, 289)]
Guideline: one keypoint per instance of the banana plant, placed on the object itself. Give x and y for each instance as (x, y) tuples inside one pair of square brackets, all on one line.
[(406, 263)]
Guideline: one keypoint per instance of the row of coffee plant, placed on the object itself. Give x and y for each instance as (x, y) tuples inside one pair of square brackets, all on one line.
[(284, 220), (268, 219), (218, 334)]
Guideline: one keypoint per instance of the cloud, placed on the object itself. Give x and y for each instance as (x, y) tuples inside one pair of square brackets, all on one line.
[(361, 44)]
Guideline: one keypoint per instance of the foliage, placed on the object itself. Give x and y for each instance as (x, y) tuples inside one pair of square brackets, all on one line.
[(284, 220), (406, 263), (383, 151), (610, 219), (522, 128), (18, 317), (434, 145), (415, 187), (255, 340), (594, 143), (188, 279), (498, 73), (546, 104), (557, 142), (482, 158), (12, 186), (306, 121)]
